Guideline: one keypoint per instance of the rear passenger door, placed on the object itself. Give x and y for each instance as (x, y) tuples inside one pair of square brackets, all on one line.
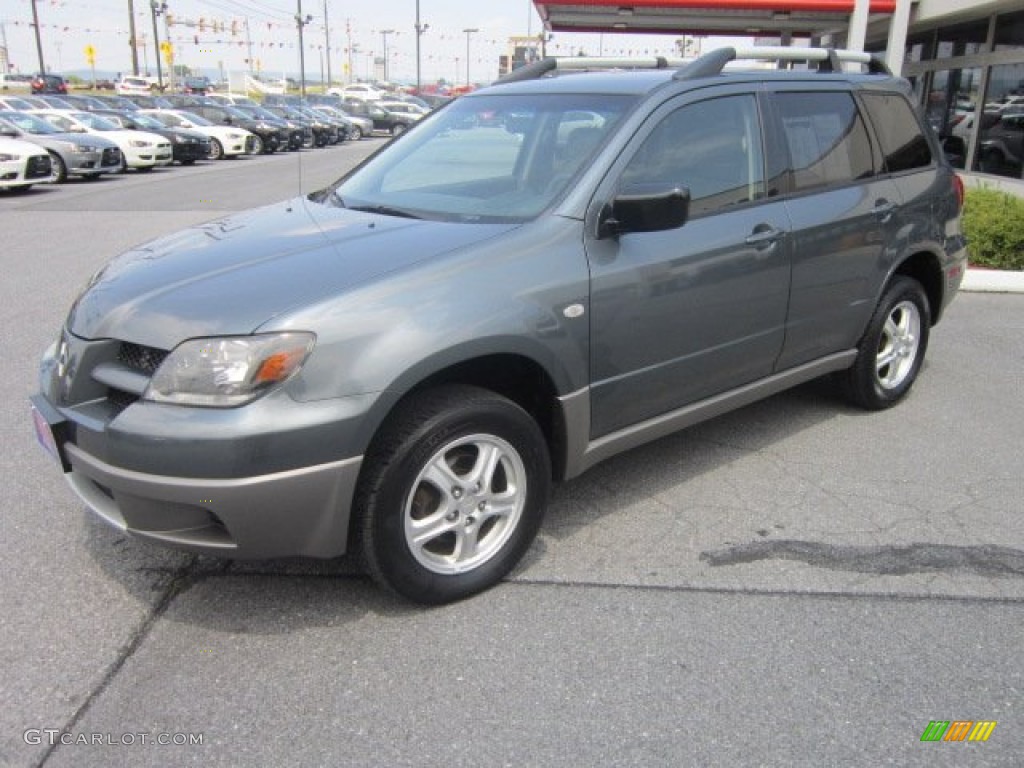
[(845, 218), (683, 314)]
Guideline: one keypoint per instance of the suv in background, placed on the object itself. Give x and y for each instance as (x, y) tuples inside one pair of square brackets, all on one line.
[(539, 276), (49, 84)]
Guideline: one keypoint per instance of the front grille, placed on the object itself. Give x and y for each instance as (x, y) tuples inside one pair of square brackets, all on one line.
[(111, 156), (139, 358), (38, 167)]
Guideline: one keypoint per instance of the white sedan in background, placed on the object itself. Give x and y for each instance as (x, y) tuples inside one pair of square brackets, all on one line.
[(23, 164), (140, 150), (225, 140)]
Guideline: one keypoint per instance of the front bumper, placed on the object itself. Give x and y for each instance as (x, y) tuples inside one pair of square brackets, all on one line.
[(275, 478)]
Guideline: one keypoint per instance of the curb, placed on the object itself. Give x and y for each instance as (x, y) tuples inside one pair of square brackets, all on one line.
[(992, 281)]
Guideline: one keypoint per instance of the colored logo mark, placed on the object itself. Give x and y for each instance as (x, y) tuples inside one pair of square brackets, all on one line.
[(958, 730)]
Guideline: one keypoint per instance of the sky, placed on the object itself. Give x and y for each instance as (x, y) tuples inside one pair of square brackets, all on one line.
[(68, 26)]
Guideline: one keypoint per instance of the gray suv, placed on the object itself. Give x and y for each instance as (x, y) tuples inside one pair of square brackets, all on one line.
[(538, 276)]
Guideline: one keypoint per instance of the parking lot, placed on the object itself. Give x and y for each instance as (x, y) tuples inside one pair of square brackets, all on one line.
[(797, 583)]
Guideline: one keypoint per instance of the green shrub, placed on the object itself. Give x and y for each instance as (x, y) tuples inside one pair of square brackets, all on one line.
[(994, 224)]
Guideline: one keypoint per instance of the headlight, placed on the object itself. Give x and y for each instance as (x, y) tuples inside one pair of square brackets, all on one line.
[(228, 371), (235, 135), (139, 143), (8, 158), (84, 148)]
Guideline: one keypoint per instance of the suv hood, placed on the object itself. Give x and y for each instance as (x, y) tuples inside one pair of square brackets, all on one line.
[(231, 276)]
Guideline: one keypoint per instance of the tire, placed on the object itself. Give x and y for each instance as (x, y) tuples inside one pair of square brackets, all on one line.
[(356, 134), (398, 129), (453, 493), (258, 146), (216, 150), (60, 168), (892, 350), (124, 164)]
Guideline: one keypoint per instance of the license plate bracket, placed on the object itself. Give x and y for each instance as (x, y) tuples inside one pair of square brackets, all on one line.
[(51, 430)]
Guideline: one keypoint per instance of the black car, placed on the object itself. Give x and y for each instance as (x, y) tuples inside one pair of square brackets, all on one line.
[(392, 122), (300, 134), (271, 135), (186, 146), (1002, 145), (323, 133), (49, 84)]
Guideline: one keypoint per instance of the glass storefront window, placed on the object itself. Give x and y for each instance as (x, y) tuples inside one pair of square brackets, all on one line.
[(954, 94), (1001, 140), (962, 39), (1010, 32)]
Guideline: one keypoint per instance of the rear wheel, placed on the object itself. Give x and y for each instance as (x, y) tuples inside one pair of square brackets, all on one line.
[(398, 129), (453, 493), (892, 350)]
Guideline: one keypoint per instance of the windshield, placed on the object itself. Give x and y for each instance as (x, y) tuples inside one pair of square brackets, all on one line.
[(148, 122), (29, 123), (94, 122), (486, 158)]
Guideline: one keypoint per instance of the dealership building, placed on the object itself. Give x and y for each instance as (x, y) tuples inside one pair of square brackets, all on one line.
[(965, 58)]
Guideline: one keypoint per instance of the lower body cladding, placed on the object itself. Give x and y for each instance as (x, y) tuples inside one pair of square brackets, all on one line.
[(301, 512)]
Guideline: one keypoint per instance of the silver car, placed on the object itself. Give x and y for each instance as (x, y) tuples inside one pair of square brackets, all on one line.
[(71, 154)]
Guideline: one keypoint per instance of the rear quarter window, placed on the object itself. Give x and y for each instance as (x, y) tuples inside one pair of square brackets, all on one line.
[(899, 132), (827, 140)]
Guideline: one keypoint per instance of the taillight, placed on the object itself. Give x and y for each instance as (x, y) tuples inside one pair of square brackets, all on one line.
[(958, 188)]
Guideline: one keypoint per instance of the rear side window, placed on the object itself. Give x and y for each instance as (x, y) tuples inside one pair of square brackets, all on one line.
[(826, 137), (899, 132)]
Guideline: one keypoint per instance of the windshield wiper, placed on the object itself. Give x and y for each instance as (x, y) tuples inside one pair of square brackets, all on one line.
[(385, 210)]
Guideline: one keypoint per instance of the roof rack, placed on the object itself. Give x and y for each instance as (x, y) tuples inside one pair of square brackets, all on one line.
[(829, 59), (542, 67), (708, 65)]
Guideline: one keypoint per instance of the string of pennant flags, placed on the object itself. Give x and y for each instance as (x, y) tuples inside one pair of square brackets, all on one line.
[(201, 28)]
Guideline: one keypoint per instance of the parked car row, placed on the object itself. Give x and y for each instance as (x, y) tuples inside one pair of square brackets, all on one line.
[(63, 136), (1001, 141)]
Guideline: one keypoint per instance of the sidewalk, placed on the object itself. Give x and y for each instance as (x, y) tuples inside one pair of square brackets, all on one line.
[(992, 281)]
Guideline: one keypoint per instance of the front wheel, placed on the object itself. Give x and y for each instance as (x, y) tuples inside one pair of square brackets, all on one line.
[(453, 494), (356, 133), (892, 350), (216, 150), (398, 129)]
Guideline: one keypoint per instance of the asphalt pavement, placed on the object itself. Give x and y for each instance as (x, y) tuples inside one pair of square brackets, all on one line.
[(797, 583)]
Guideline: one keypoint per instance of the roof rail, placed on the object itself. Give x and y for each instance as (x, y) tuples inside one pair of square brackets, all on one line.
[(708, 65), (579, 63), (829, 59)]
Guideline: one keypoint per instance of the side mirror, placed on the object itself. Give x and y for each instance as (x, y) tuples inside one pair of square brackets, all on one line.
[(646, 207)]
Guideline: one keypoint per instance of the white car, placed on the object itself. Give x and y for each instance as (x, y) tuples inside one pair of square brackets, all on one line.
[(140, 150), (131, 85), (23, 164), (358, 91), (225, 140)]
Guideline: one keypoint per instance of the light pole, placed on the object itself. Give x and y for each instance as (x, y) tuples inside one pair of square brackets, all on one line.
[(155, 10), (300, 22), (420, 29), (468, 32), (131, 37), (384, 36)]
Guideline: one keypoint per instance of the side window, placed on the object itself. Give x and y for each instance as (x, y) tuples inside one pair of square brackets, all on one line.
[(827, 140), (712, 147), (899, 132)]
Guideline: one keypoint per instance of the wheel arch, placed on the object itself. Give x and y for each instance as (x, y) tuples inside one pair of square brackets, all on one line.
[(925, 268)]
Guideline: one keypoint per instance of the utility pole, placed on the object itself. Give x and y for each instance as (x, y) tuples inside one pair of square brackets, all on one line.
[(302, 21), (39, 40), (384, 36), (468, 32), (420, 29), (131, 38), (327, 46), (155, 10), (248, 44)]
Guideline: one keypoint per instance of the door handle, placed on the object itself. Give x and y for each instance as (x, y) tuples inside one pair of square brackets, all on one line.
[(883, 210), (764, 237)]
